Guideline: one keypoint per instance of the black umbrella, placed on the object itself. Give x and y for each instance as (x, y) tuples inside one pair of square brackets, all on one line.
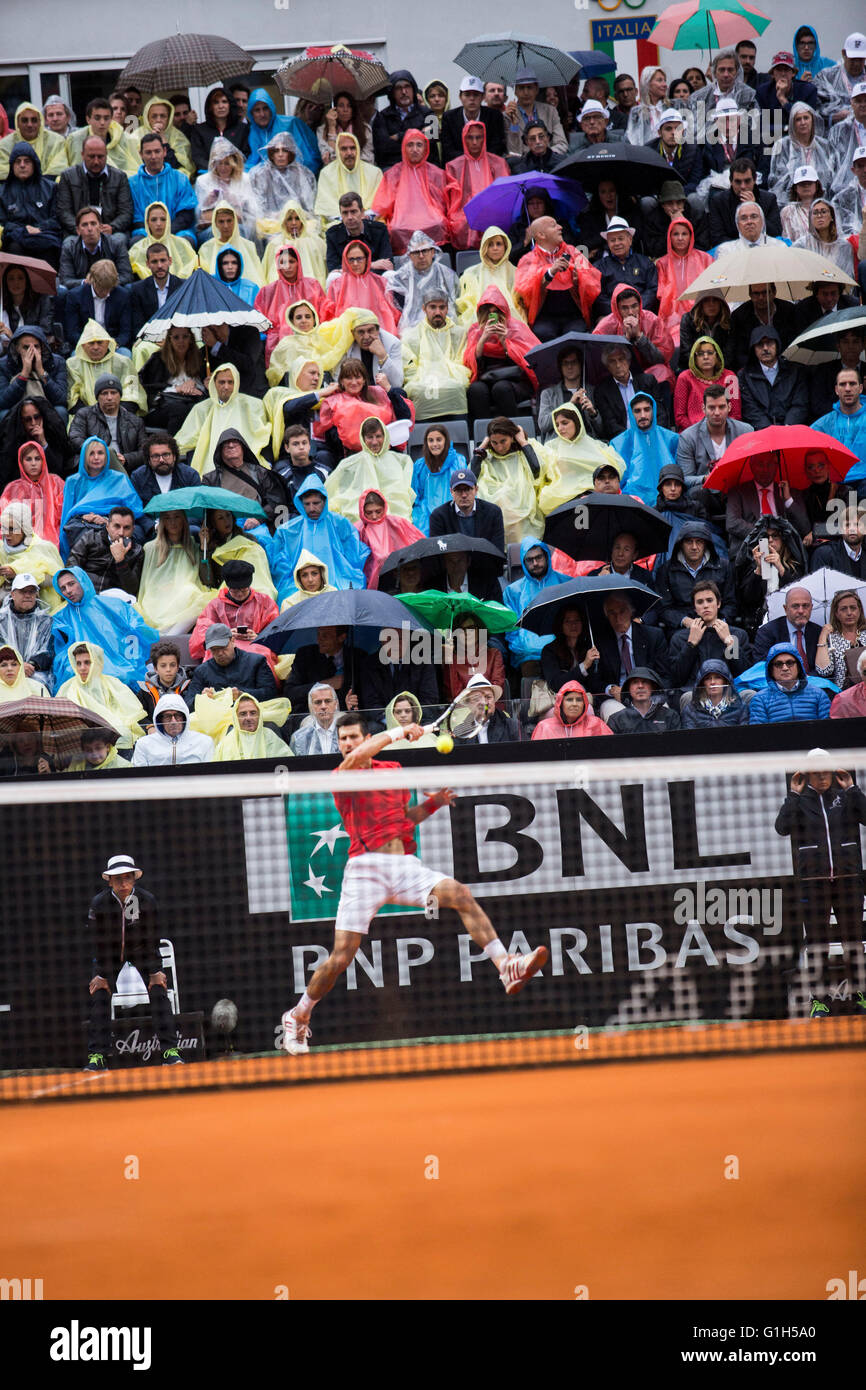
[(543, 360), (819, 342), (587, 527), (365, 611), (633, 168), (589, 594), (485, 561)]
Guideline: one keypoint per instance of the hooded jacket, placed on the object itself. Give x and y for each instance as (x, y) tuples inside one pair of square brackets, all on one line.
[(773, 705), (160, 750), (170, 187), (384, 536), (349, 290), (653, 350), (29, 202), (751, 588), (554, 726), (306, 560), (256, 611), (690, 388), (13, 389), (259, 137), (251, 479), (699, 713), (49, 146), (659, 718), (675, 273), (123, 151), (236, 743), (850, 430), (44, 496), (644, 452), (525, 645), (389, 126), (674, 581), (99, 691), (785, 401)]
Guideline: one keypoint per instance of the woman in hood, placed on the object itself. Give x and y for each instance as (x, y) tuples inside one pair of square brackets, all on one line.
[(311, 577), (225, 185), (654, 347), (247, 736), (23, 552), (50, 149), (89, 494), (493, 269), (346, 173), (404, 112), (229, 270), (158, 118), (785, 558), (290, 286), (470, 173), (173, 379), (297, 228), (172, 741), (431, 474), (676, 271), (376, 465), (344, 118), (40, 490), (804, 145), (572, 716), (676, 505), (381, 531), (35, 420), (358, 287), (157, 227), (710, 317), (96, 355), (495, 353), (89, 687), (226, 408), (357, 399), (281, 176), (715, 703), (27, 215), (15, 684), (570, 458), (411, 197), (403, 710), (170, 595), (507, 467), (706, 367), (304, 335), (227, 230), (823, 237), (265, 124), (221, 119)]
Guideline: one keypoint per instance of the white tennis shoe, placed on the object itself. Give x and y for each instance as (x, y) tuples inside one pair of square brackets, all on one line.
[(518, 969), (296, 1034)]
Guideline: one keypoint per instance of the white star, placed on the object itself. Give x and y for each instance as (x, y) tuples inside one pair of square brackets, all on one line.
[(316, 883), (328, 837)]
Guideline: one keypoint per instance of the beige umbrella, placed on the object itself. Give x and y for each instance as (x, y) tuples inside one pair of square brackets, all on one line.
[(792, 269)]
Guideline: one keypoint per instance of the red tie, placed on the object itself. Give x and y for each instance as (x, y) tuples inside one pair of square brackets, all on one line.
[(800, 648), (766, 509)]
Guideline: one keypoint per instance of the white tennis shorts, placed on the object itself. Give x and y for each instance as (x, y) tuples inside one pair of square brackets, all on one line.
[(372, 880)]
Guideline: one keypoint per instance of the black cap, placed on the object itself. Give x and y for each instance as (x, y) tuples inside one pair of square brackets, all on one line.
[(238, 574)]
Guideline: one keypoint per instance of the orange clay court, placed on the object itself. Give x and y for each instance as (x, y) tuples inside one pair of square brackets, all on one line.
[(620, 1170)]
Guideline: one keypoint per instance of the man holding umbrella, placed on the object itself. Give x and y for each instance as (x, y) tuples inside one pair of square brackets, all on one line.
[(524, 108), (765, 494)]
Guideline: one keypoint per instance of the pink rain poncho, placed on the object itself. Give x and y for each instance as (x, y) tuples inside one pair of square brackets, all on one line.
[(349, 290), (383, 537), (411, 198), (276, 298), (466, 176), (675, 274)]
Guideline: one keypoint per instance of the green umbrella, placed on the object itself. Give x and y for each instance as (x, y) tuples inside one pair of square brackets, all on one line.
[(440, 610), (708, 24), (203, 499)]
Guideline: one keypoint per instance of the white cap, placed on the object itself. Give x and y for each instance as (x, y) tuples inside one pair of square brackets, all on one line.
[(859, 88), (725, 106), (24, 581), (672, 114), (855, 46), (592, 108), (617, 224), (805, 173), (472, 84), (859, 153)]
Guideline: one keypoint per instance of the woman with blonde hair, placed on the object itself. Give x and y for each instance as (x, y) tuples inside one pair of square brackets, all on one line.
[(845, 631), (226, 182)]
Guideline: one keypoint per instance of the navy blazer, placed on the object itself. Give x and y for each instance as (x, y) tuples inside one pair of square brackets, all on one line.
[(77, 308)]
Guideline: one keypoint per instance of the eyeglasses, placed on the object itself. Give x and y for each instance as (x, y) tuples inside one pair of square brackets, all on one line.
[(780, 664), (160, 458)]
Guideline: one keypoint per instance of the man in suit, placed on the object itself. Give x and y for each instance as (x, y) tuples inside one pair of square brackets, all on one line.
[(470, 109), (94, 183), (320, 734), (763, 496), (744, 189), (773, 390), (823, 300), (356, 676), (467, 513), (102, 299), (146, 297), (795, 627), (613, 394), (845, 553), (763, 310), (627, 644), (702, 445), (683, 158)]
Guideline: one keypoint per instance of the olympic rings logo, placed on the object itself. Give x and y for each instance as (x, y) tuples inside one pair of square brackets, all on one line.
[(608, 6)]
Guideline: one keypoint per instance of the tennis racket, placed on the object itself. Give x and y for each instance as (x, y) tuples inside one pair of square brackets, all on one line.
[(464, 716)]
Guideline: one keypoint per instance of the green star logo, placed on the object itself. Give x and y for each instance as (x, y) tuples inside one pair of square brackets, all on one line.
[(318, 853)]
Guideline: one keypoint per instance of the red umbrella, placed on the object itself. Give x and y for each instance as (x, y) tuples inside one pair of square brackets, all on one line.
[(43, 277), (791, 443)]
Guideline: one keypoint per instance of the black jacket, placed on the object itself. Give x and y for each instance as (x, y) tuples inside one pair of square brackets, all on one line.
[(486, 522), (723, 210), (31, 202), (687, 659), (112, 938), (833, 556), (609, 404), (388, 127), (91, 551), (143, 303), (77, 308), (359, 674), (115, 198), (786, 402), (772, 633), (12, 389), (659, 718), (244, 350), (687, 163), (825, 831), (247, 671), (650, 649), (251, 479), (655, 230), (131, 434), (374, 234), (674, 581), (637, 271), (452, 132), (143, 479), (744, 321), (76, 260), (501, 728)]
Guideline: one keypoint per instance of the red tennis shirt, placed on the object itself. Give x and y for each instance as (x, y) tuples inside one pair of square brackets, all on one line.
[(373, 818)]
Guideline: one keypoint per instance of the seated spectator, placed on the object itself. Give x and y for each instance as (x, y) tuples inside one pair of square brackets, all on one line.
[(359, 287), (21, 306), (311, 578), (646, 710), (228, 668), (706, 368), (751, 230), (30, 369), (39, 490), (676, 271), (411, 197), (783, 88), (695, 556), (22, 551), (807, 52), (471, 112), (353, 225), (290, 287), (670, 206), (571, 389), (623, 644), (375, 465), (760, 570), (101, 299), (424, 270), (731, 129), (821, 301), (763, 310), (848, 704), (706, 636), (645, 447), (58, 117), (342, 414), (170, 595), (570, 459), (157, 232), (347, 172), (173, 380), (405, 111), (221, 539), (825, 239), (243, 609), (555, 283), (25, 625), (468, 174), (851, 197), (225, 187), (493, 724), (300, 458), (772, 389), (381, 532), (147, 296), (110, 555), (265, 123), (158, 182), (377, 349), (802, 147), (92, 687), (332, 539), (318, 732), (845, 630), (431, 475), (221, 118), (34, 420), (524, 646), (594, 127), (789, 694), (794, 628), (96, 356), (165, 676), (91, 492), (248, 736), (172, 741), (844, 552), (702, 445), (236, 468), (229, 231), (651, 343), (726, 80), (405, 709), (14, 683), (621, 560), (493, 268), (607, 201), (570, 655), (715, 704), (279, 176), (468, 513), (845, 422), (709, 318), (122, 149), (497, 342), (30, 128), (480, 657), (226, 407), (27, 208), (805, 188), (525, 108), (342, 118), (356, 676), (676, 504), (95, 183), (229, 270), (725, 203), (683, 157), (765, 495), (79, 253), (615, 392), (436, 377), (572, 716), (508, 466)]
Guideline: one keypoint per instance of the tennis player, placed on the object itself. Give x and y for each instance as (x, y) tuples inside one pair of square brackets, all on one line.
[(383, 868)]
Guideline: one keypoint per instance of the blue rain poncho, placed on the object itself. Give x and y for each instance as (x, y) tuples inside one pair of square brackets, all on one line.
[(333, 539), (645, 453), (260, 136), (115, 626), (83, 493)]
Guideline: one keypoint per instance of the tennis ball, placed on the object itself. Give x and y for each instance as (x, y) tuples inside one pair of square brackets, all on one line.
[(445, 743)]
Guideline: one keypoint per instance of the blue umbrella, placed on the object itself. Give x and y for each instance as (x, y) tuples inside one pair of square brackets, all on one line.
[(593, 62), (365, 611), (199, 301), (504, 200), (500, 57)]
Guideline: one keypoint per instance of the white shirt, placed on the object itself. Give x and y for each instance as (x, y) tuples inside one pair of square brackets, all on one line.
[(163, 481), (324, 737), (99, 309), (482, 733), (718, 449), (161, 294)]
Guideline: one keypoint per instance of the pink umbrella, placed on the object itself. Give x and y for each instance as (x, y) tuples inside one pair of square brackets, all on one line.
[(708, 24)]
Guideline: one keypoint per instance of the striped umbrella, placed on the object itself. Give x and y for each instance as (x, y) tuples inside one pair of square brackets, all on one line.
[(197, 302), (320, 73), (501, 56), (61, 723), (184, 60), (707, 24)]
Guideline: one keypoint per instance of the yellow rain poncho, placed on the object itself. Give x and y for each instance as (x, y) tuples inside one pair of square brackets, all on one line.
[(305, 559), (335, 180), (388, 472), (277, 396), (326, 344), (183, 257), (111, 760), (209, 250), (23, 687), (434, 375), (428, 741), (213, 714), (82, 374), (507, 480), (50, 147), (310, 245), (105, 695), (123, 151), (567, 465), (34, 556), (237, 743), (478, 278), (171, 135), (206, 421), (170, 595), (239, 547)]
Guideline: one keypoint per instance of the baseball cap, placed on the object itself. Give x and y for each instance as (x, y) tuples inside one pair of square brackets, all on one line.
[(859, 153), (106, 382), (672, 114), (24, 581), (859, 89), (472, 84), (592, 108), (855, 46), (806, 173), (217, 635), (782, 59), (463, 476)]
